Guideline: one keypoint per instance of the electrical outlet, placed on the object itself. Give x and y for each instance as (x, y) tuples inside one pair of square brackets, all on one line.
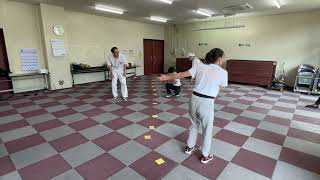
[(61, 82), (203, 44), (244, 45)]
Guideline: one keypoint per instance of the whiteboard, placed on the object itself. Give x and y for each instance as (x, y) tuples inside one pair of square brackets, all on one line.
[(58, 48), (29, 59)]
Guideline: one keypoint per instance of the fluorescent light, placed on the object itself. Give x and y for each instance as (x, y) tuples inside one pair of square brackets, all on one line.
[(166, 1), (160, 19), (204, 12), (108, 9), (276, 2), (222, 27)]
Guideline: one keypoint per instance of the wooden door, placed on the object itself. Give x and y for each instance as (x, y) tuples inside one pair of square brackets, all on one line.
[(158, 54), (4, 65), (148, 56), (153, 56)]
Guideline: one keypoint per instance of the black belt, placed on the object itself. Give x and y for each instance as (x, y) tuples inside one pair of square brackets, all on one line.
[(202, 95)]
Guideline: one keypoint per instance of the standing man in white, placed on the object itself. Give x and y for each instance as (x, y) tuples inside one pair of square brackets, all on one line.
[(117, 64)]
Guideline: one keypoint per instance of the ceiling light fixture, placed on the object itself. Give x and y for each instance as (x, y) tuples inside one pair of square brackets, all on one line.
[(108, 9), (159, 19), (276, 2), (222, 27), (166, 1), (204, 12)]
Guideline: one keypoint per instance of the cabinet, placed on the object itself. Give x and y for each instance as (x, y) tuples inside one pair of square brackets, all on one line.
[(251, 72)]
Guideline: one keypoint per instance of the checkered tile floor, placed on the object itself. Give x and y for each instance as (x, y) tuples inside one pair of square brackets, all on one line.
[(82, 133)]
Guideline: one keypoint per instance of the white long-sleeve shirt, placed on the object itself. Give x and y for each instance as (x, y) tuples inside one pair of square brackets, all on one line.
[(117, 65)]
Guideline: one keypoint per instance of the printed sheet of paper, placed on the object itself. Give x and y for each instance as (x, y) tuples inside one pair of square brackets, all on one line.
[(58, 48)]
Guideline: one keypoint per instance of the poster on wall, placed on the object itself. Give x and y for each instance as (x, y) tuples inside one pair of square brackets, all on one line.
[(29, 59), (58, 48)]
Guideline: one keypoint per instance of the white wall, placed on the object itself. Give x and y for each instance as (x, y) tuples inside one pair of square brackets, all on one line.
[(88, 39), (21, 24), (91, 37), (291, 39)]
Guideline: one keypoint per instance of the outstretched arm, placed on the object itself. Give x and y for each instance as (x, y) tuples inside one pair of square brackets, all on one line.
[(174, 76)]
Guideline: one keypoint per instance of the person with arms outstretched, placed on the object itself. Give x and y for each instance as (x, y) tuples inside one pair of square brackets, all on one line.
[(209, 77)]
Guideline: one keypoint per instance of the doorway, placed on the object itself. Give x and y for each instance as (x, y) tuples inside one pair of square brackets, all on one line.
[(5, 83), (153, 56)]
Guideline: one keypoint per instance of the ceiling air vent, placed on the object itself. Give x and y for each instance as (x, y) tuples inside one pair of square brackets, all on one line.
[(236, 9)]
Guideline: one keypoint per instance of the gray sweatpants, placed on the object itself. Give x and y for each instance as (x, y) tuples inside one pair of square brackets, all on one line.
[(201, 111)]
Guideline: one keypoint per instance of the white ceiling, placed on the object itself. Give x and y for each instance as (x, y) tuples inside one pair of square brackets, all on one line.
[(182, 11)]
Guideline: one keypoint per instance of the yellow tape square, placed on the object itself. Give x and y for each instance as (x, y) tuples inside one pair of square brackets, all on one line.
[(159, 161), (147, 137), (151, 127), (155, 116)]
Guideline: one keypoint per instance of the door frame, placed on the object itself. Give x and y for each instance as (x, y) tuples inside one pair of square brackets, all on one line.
[(5, 55), (152, 48)]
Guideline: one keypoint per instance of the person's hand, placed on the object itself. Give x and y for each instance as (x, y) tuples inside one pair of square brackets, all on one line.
[(163, 77)]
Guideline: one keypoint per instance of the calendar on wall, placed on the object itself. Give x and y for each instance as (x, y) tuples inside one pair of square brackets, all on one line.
[(29, 59)]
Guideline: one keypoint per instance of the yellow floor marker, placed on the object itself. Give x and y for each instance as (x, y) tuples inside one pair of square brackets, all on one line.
[(159, 161), (155, 116), (154, 103), (147, 137), (151, 127)]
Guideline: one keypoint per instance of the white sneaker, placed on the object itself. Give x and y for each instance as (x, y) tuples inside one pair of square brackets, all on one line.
[(115, 98), (125, 99), (205, 160), (168, 95), (189, 150), (178, 95)]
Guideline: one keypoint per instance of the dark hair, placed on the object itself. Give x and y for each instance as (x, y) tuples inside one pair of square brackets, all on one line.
[(213, 56), (113, 49), (171, 69)]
